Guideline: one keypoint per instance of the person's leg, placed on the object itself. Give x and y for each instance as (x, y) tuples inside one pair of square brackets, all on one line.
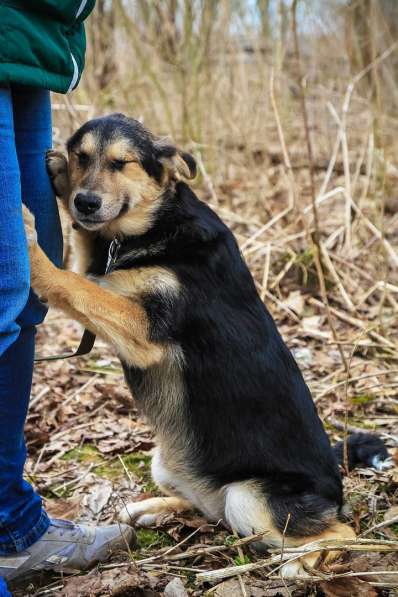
[(25, 528), (21, 517), (33, 137)]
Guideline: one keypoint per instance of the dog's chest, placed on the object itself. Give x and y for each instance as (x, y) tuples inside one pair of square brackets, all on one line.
[(159, 390)]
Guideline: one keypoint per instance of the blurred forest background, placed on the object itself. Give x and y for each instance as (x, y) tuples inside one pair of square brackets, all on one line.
[(291, 110)]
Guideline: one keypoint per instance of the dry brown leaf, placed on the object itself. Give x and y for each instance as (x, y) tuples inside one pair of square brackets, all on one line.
[(64, 508), (344, 587), (113, 445), (312, 327), (391, 513), (374, 562), (295, 302), (97, 496), (175, 588), (255, 588), (110, 583)]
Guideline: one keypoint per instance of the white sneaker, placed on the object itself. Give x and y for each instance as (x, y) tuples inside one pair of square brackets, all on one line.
[(69, 547)]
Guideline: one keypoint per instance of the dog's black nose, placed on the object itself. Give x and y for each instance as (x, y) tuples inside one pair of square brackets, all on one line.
[(87, 203)]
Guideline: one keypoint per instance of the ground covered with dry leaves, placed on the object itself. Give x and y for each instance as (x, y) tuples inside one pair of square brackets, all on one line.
[(89, 450)]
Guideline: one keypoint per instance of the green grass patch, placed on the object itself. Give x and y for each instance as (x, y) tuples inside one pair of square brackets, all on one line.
[(240, 561), (85, 453), (360, 399), (138, 464), (151, 539), (358, 422), (394, 528)]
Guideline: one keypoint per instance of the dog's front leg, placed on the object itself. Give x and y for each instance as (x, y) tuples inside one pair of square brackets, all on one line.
[(121, 321)]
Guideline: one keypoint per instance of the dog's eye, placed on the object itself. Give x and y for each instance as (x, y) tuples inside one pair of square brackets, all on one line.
[(118, 164), (83, 159)]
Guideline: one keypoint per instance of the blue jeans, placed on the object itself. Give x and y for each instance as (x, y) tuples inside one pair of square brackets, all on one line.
[(25, 135)]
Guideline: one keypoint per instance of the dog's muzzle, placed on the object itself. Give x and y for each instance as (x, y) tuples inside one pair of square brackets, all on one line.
[(87, 203)]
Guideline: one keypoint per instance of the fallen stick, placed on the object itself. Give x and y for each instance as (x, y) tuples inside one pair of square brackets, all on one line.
[(354, 545), (381, 525), (354, 322)]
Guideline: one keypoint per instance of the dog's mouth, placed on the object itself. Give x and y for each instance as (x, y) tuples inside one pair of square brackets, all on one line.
[(90, 223), (97, 220)]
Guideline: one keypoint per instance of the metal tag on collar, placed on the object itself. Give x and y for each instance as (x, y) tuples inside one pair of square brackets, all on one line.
[(113, 252)]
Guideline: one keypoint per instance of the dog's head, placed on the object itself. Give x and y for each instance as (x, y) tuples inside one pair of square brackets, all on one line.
[(118, 173)]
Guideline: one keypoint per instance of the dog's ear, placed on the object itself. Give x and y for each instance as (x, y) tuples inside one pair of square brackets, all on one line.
[(176, 163), (57, 168)]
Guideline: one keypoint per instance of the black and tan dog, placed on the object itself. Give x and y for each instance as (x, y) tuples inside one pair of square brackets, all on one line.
[(237, 433)]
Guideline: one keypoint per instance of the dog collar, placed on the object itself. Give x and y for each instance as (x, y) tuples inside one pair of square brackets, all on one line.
[(113, 253)]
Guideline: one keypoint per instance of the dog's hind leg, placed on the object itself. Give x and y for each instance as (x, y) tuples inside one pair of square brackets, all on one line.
[(297, 568), (248, 512)]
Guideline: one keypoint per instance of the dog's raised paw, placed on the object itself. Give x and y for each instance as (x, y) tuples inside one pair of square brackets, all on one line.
[(29, 223), (57, 168), (56, 162)]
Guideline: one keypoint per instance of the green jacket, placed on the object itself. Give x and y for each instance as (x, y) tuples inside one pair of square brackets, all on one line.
[(42, 42)]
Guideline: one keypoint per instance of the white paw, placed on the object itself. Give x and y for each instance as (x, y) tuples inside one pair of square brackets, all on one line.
[(29, 223), (147, 520), (293, 570), (137, 513)]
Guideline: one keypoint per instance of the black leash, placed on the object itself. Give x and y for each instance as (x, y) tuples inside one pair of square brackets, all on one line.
[(88, 338)]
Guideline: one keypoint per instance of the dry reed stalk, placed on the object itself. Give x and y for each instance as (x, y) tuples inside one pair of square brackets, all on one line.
[(315, 238), (360, 545), (334, 387)]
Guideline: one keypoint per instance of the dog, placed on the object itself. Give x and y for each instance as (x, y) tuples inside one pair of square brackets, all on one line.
[(238, 436)]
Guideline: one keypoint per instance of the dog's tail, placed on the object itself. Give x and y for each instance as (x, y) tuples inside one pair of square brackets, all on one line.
[(364, 449)]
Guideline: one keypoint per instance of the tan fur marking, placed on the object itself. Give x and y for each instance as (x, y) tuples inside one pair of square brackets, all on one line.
[(82, 242), (76, 174), (121, 150), (88, 144), (145, 199), (135, 282), (120, 321)]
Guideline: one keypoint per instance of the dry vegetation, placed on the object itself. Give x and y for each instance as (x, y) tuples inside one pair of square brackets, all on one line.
[(315, 209)]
